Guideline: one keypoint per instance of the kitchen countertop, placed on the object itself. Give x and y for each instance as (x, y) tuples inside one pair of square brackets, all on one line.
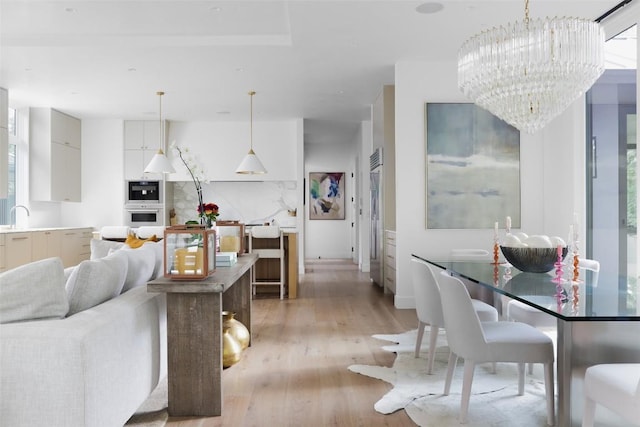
[(8, 230)]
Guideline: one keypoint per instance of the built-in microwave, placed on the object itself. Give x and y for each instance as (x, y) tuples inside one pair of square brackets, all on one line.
[(143, 215), (143, 192)]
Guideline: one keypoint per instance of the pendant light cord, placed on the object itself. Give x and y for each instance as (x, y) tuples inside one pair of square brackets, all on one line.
[(160, 119), (251, 93)]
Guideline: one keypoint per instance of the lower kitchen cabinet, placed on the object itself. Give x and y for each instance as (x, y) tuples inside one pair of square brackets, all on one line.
[(76, 246), (45, 244), (17, 249), (390, 261), (72, 245)]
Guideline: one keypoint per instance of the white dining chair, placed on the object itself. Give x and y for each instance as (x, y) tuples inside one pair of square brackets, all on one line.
[(615, 386), (518, 311), (478, 342), (429, 307)]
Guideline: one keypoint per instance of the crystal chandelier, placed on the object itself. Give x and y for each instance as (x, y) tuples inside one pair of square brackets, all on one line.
[(529, 72)]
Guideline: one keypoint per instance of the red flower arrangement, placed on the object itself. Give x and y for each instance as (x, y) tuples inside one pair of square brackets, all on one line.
[(208, 211)]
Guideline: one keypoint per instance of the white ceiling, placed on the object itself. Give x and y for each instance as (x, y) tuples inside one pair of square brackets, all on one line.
[(324, 61)]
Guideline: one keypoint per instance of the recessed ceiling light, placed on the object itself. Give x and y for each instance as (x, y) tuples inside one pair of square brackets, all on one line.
[(215, 9), (70, 10), (239, 69), (131, 69), (223, 112), (430, 7)]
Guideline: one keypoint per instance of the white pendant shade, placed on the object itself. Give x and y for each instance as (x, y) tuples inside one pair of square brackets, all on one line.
[(251, 165), (159, 164)]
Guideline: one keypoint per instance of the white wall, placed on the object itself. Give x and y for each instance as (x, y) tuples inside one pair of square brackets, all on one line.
[(220, 146), (365, 147), (329, 238), (551, 190)]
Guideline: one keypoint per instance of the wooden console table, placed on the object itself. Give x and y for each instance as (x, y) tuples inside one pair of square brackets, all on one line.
[(194, 334)]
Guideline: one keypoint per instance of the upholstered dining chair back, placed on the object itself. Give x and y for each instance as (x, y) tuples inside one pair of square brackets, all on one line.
[(464, 332), (615, 386)]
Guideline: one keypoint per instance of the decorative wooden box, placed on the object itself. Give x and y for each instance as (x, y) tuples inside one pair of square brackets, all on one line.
[(189, 252), (231, 235)]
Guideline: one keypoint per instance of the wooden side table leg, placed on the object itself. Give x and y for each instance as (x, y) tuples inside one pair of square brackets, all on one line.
[(194, 344)]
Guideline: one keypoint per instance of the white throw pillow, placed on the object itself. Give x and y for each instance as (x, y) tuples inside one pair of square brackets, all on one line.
[(33, 291), (158, 250), (93, 282), (101, 248), (141, 263)]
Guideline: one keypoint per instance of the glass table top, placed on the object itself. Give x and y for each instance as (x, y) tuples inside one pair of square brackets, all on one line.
[(590, 299)]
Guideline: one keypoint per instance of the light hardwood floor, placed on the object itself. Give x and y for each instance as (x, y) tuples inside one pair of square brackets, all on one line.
[(295, 373)]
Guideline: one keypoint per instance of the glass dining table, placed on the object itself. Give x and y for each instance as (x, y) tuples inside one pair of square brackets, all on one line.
[(597, 322)]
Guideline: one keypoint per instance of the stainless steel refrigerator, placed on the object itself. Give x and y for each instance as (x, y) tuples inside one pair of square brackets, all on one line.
[(376, 224)]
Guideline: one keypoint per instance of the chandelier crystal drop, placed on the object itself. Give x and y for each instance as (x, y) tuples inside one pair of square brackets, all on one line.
[(529, 72)]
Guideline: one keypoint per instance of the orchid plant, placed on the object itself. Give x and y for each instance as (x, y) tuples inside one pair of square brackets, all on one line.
[(197, 175)]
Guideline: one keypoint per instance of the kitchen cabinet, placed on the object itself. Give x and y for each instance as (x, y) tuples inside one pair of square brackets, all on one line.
[(45, 244), (17, 249), (389, 261), (141, 143), (55, 156), (3, 253), (75, 246), (4, 143), (72, 245)]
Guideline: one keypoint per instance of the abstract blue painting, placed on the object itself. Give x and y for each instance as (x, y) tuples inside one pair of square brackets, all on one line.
[(326, 191), (473, 168)]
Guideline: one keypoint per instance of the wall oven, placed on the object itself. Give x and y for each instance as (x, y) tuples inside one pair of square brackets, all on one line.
[(136, 215), (143, 192)]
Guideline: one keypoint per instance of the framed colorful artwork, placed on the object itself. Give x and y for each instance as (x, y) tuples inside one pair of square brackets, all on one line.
[(472, 168), (326, 195)]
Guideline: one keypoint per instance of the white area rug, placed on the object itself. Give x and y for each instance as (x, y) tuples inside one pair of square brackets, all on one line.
[(494, 397)]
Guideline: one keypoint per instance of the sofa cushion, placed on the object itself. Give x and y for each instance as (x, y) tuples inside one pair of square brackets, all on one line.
[(141, 264), (33, 291), (101, 248), (95, 281), (158, 250)]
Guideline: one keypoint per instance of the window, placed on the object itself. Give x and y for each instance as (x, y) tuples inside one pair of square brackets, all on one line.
[(612, 180), (10, 201)]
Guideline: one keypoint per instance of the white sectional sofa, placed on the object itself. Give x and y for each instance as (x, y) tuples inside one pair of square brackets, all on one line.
[(76, 350)]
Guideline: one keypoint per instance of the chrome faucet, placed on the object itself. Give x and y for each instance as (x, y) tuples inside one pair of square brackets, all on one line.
[(13, 212)]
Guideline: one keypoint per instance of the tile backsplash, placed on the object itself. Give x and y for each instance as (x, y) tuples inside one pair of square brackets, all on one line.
[(249, 202)]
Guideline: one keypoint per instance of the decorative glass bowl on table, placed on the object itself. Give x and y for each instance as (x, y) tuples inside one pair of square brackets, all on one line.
[(532, 260)]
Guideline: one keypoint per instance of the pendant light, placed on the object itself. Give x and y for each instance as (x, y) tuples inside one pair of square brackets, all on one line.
[(251, 164), (159, 163)]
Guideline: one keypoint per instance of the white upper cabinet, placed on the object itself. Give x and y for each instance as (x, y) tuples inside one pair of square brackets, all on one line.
[(55, 156), (141, 142)]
